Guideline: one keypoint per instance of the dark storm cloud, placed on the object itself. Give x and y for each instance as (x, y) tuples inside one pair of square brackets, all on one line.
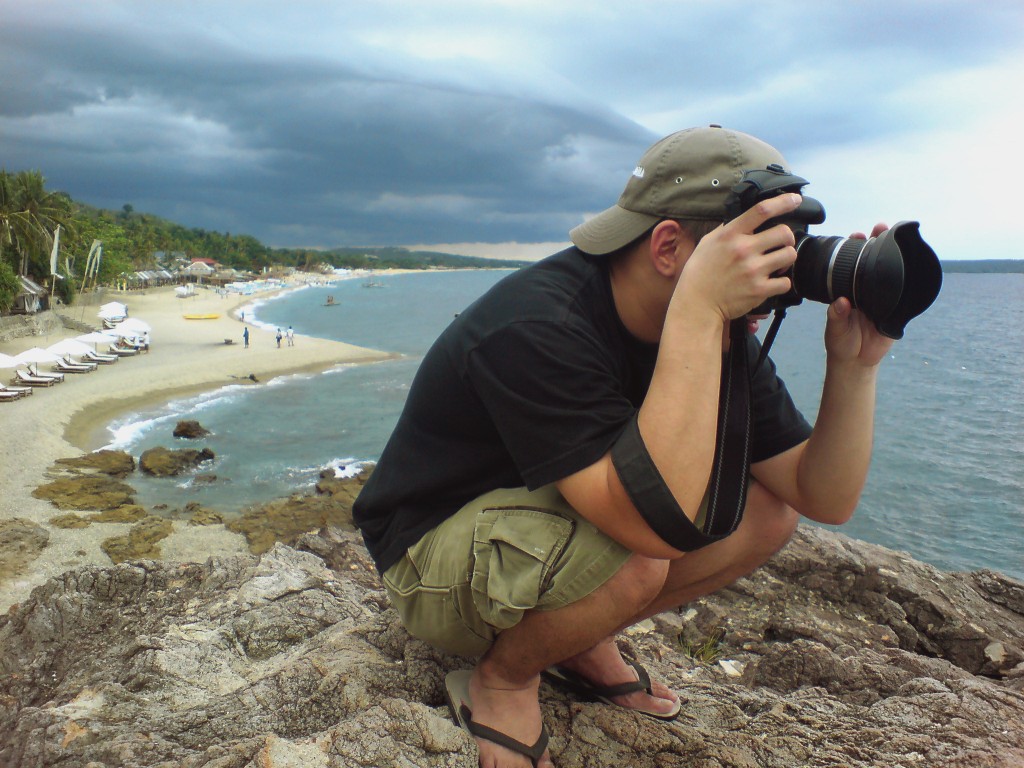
[(322, 125)]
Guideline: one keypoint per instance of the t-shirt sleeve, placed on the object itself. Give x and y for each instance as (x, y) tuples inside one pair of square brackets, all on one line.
[(777, 424), (552, 392)]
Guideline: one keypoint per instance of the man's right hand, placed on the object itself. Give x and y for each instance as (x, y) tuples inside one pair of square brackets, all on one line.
[(734, 269)]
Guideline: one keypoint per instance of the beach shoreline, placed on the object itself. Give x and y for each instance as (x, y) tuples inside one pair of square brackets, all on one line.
[(187, 357)]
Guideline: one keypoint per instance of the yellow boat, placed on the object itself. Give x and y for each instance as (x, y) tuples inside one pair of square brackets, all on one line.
[(210, 316)]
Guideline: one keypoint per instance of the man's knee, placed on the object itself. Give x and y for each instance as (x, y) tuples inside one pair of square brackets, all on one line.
[(775, 520), (640, 580)]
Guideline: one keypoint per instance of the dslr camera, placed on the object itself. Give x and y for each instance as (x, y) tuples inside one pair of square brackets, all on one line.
[(891, 278)]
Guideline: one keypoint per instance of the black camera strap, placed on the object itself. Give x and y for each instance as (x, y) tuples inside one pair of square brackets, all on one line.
[(730, 474), (769, 337)]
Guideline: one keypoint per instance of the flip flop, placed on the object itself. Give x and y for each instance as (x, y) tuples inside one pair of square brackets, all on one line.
[(579, 685), (457, 692)]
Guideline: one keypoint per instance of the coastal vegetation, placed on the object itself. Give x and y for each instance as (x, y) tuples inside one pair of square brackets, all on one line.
[(977, 266), (133, 241), (30, 215)]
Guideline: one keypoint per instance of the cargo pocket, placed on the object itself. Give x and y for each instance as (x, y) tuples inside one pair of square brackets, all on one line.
[(443, 616), (514, 549)]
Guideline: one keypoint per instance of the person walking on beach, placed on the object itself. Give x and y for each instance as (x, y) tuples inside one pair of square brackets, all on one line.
[(291, 336), (569, 484), (278, 338), (245, 336)]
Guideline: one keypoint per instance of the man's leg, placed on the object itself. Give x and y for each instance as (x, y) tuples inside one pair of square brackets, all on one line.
[(504, 686), (766, 527), (581, 636)]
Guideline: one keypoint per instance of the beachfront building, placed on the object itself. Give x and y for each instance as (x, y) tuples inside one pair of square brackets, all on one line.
[(149, 278), (199, 269), (31, 299)]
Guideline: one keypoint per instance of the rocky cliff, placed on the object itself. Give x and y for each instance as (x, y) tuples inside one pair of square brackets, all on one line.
[(836, 653)]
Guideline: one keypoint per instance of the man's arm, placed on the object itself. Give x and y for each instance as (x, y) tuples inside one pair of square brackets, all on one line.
[(823, 477), (730, 271)]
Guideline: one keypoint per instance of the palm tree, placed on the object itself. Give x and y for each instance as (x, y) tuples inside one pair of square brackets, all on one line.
[(29, 214), (7, 209)]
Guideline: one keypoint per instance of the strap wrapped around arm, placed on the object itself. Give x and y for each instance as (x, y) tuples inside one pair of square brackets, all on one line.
[(651, 496), (730, 472)]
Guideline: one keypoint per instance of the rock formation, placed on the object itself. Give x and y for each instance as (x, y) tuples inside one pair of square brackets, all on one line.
[(163, 462), (21, 541), (836, 653), (190, 429), (286, 519)]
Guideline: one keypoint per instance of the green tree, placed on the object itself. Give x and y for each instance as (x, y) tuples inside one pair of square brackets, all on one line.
[(29, 215), (9, 286), (117, 247)]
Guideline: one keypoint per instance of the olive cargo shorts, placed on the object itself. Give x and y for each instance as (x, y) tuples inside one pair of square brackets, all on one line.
[(502, 554)]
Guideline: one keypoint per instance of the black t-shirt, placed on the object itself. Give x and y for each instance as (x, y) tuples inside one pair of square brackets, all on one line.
[(531, 383)]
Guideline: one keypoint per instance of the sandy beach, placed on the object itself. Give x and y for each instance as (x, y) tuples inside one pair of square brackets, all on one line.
[(186, 356)]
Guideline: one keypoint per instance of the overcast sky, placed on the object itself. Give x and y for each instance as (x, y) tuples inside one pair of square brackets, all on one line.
[(402, 122)]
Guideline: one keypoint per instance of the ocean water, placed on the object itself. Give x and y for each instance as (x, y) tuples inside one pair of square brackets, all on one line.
[(947, 474)]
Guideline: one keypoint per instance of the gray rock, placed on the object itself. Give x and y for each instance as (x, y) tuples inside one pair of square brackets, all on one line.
[(846, 655), (190, 429), (164, 462), (21, 541)]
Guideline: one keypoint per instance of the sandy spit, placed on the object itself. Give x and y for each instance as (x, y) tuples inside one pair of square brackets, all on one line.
[(187, 356)]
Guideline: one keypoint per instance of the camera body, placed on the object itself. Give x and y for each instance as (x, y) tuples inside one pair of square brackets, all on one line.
[(891, 278)]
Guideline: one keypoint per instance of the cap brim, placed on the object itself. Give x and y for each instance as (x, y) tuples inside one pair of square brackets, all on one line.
[(610, 230)]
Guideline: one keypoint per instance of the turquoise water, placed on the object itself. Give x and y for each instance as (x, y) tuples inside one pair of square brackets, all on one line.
[(947, 477)]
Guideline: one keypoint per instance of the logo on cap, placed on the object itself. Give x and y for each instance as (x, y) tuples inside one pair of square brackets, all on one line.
[(639, 171)]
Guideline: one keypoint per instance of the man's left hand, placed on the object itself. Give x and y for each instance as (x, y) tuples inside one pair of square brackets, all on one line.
[(849, 335)]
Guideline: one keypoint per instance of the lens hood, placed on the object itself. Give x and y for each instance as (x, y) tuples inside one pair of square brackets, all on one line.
[(899, 265)]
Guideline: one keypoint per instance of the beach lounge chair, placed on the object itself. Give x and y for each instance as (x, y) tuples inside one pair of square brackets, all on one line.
[(6, 397), (69, 360), (55, 375), (22, 391), (22, 377), (122, 351), (63, 366), (96, 357)]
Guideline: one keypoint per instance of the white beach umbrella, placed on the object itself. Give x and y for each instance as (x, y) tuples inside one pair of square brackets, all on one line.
[(35, 355), (97, 337), (69, 347), (110, 314), (123, 332), (136, 324), (7, 361), (115, 306)]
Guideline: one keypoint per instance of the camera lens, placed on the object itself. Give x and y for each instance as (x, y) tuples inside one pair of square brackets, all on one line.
[(891, 278), (834, 267)]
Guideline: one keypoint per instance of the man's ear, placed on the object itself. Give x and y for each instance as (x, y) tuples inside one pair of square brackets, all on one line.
[(670, 246)]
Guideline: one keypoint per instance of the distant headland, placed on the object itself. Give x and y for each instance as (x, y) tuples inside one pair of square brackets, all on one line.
[(984, 265)]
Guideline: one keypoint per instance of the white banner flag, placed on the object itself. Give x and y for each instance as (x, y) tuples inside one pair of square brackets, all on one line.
[(53, 253)]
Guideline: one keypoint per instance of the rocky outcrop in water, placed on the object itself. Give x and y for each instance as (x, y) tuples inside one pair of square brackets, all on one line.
[(836, 653), (287, 519), (164, 462), (190, 429)]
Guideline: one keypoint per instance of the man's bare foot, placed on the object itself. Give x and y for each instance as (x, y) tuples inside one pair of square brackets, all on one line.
[(513, 711), (603, 665)]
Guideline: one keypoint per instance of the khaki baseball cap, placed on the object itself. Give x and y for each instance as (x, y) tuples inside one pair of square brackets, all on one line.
[(687, 175)]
